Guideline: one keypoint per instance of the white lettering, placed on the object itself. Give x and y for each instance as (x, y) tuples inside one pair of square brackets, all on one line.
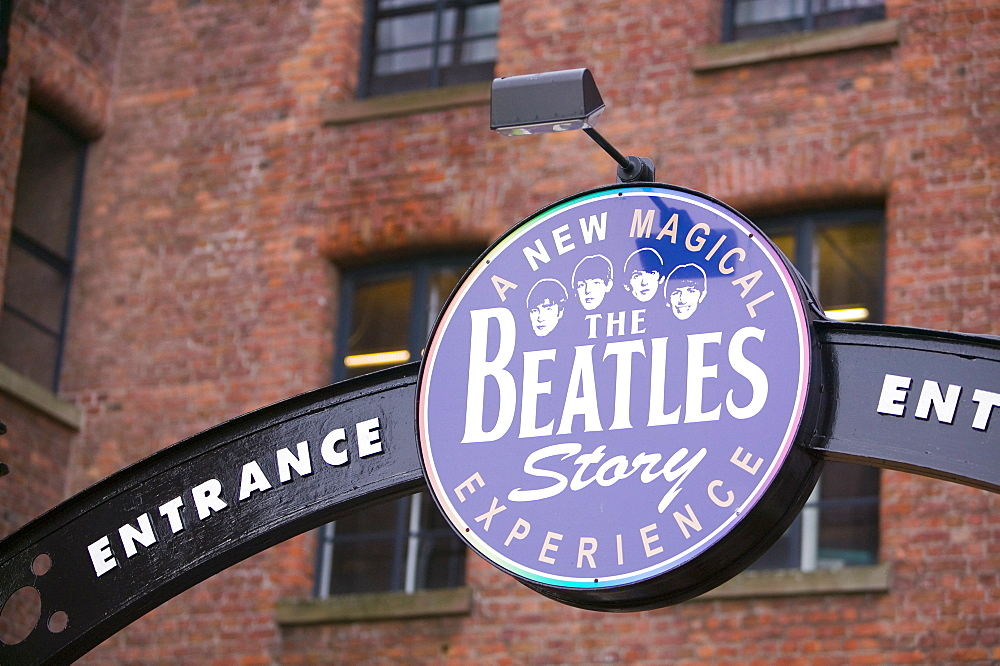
[(299, 461), (530, 391), (562, 450), (328, 450), (658, 386), (685, 521), (986, 400), (562, 239), (144, 535), (944, 406), (468, 486), (594, 227), (535, 255), (623, 351), (101, 556), (581, 395), (744, 463), (648, 539), (749, 370), (588, 546), (369, 438), (495, 508), (549, 546), (715, 498), (697, 373), (642, 226), (206, 498), (480, 369), (252, 478), (892, 400), (172, 512), (520, 530)]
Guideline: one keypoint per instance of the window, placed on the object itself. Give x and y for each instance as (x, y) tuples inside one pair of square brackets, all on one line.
[(404, 545), (40, 257), (753, 19), (419, 44), (6, 11), (841, 255)]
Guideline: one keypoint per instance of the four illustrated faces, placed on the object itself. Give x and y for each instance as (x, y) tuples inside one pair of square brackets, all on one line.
[(684, 288)]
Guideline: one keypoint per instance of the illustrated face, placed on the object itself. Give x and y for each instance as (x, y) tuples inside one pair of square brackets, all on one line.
[(592, 291), (644, 284), (545, 316), (684, 300)]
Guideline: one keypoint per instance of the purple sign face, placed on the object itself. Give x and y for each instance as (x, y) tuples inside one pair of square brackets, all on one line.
[(613, 388)]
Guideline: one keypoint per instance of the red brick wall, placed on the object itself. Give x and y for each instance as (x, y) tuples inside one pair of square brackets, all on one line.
[(216, 200)]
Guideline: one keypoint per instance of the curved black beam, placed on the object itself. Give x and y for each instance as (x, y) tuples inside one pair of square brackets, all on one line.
[(920, 401), (900, 398), (300, 463)]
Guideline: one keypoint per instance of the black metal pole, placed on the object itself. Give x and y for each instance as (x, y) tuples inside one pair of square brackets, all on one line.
[(608, 148)]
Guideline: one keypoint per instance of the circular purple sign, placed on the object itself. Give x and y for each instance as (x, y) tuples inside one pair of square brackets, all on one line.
[(610, 393)]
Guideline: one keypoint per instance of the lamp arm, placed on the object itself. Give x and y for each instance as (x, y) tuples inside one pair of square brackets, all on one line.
[(631, 169)]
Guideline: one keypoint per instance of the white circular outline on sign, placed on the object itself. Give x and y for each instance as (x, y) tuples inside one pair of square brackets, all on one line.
[(434, 482)]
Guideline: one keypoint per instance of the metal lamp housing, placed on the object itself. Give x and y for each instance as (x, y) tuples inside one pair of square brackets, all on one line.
[(547, 102)]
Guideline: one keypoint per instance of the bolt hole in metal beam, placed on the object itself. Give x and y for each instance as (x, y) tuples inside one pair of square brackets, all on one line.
[(41, 564)]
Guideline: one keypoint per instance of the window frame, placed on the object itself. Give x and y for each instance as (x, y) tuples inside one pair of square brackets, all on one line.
[(406, 533), (62, 265), (369, 80), (804, 229), (805, 23)]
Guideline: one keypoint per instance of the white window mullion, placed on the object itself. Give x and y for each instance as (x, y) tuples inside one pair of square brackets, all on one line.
[(810, 530), (413, 544), (326, 560)]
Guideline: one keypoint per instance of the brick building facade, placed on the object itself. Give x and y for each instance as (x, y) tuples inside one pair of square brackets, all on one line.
[(235, 182)]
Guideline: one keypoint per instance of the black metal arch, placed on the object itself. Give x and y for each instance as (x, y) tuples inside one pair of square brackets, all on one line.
[(156, 528), (97, 606)]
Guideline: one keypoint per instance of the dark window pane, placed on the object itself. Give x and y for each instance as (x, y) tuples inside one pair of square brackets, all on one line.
[(47, 180), (405, 31), (785, 553), (785, 243), (441, 559), (413, 60), (39, 261), (850, 267), (441, 284), (479, 50), (842, 255), (366, 547), (35, 289), (413, 45), (27, 349), (406, 544), (381, 316), (848, 515), (753, 19), (397, 4), (379, 329)]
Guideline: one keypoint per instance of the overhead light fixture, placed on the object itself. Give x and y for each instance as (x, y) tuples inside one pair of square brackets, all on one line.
[(558, 102)]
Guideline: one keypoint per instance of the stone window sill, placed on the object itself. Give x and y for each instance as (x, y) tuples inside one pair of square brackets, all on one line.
[(376, 606), (790, 583), (403, 104), (40, 398), (736, 54), (458, 601)]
